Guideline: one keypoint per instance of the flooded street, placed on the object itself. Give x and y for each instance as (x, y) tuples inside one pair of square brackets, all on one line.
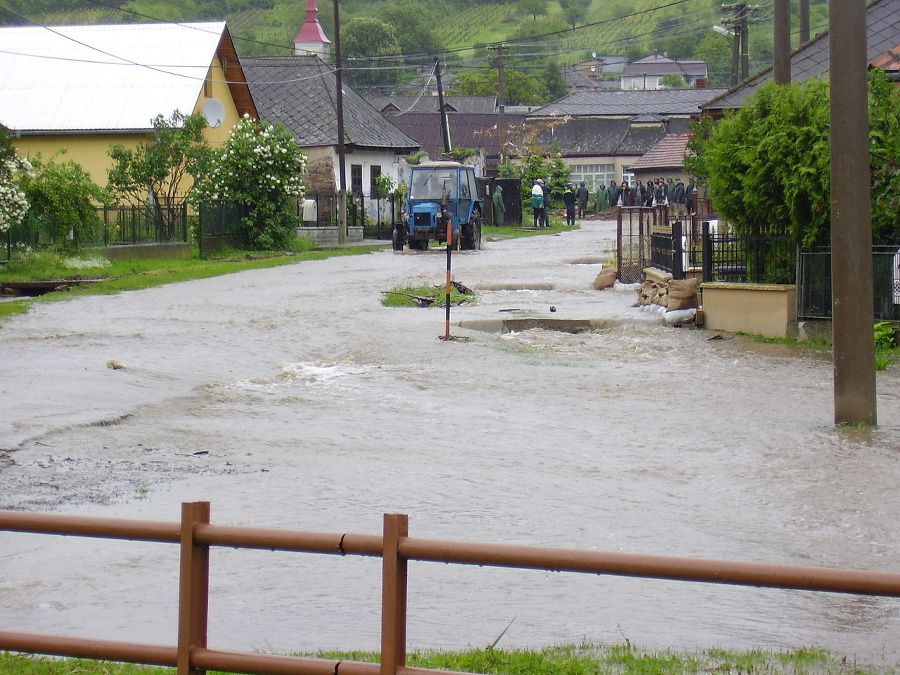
[(291, 398)]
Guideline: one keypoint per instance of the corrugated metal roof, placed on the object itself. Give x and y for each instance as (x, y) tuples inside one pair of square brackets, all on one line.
[(102, 78)]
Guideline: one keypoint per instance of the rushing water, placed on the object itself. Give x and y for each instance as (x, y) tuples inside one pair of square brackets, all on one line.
[(291, 398)]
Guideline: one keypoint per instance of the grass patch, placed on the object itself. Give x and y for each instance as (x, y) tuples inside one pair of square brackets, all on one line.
[(494, 233), (128, 275), (427, 296), (585, 659)]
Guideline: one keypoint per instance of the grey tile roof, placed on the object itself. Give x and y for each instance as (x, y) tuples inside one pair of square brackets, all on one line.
[(299, 91), (664, 102), (475, 130), (427, 104), (811, 60), (598, 136), (657, 64)]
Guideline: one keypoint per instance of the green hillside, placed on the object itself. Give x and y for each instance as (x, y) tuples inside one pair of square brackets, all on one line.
[(462, 29)]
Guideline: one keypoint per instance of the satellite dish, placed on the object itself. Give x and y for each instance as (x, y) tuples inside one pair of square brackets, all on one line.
[(594, 55), (214, 112)]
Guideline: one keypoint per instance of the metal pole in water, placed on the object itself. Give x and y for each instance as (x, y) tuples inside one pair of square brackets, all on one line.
[(449, 223)]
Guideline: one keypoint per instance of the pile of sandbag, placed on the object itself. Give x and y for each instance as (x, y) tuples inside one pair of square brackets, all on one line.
[(606, 278), (676, 299)]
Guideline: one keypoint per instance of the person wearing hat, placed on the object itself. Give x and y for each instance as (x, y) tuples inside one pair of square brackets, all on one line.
[(570, 199), (537, 203)]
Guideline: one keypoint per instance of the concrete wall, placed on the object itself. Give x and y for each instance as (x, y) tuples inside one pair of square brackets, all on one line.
[(328, 236), (758, 309), (168, 251)]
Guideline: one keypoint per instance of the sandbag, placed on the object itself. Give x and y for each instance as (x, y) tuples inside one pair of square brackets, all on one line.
[(606, 278), (682, 294), (680, 316)]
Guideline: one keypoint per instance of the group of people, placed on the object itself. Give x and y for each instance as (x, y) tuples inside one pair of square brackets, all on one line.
[(575, 200), (660, 192)]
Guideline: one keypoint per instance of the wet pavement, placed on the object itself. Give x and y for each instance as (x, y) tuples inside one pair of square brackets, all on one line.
[(292, 398)]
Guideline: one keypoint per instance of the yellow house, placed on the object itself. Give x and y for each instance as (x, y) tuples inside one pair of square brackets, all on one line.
[(81, 88)]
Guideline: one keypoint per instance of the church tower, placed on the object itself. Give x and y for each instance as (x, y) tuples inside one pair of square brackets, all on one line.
[(311, 38)]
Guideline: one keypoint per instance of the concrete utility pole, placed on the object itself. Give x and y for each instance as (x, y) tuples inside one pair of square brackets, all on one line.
[(853, 312)]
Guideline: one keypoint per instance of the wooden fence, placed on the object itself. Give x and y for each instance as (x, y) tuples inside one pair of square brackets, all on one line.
[(196, 536)]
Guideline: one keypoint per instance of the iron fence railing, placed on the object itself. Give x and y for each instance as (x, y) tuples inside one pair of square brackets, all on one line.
[(766, 259), (376, 215), (814, 283), (138, 225), (196, 538), (112, 225)]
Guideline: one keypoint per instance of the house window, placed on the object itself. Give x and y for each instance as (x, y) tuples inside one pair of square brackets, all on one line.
[(593, 174), (356, 183), (374, 173)]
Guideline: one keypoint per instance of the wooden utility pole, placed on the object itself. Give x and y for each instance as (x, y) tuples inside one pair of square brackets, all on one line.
[(804, 21), (445, 123), (339, 104), (740, 56), (782, 65), (851, 217), (501, 102)]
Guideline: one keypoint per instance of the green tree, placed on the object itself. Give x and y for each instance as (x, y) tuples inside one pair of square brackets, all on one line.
[(413, 23), (366, 42), (13, 203), (155, 174), (261, 167), (521, 88), (535, 8), (715, 49), (673, 81), (768, 165), (574, 11), (64, 197)]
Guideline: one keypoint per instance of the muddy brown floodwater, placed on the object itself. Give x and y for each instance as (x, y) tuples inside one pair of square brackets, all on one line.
[(292, 398)]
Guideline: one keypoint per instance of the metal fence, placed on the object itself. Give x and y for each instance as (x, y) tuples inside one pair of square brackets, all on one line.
[(113, 225), (138, 225), (376, 215), (701, 242), (814, 283), (196, 537)]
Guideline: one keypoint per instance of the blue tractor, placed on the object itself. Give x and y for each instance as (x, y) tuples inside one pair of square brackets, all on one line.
[(439, 191)]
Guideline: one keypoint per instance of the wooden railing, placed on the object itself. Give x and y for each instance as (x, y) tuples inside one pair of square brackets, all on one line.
[(196, 536)]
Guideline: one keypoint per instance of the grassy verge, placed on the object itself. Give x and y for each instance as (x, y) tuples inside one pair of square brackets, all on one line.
[(493, 233), (102, 277), (560, 660)]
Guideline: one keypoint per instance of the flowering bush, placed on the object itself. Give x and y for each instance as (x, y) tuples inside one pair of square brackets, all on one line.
[(261, 167), (13, 203)]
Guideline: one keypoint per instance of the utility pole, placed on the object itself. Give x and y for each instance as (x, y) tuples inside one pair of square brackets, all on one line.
[(501, 102), (782, 65), (339, 104), (851, 217), (804, 21), (741, 44), (445, 123)]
